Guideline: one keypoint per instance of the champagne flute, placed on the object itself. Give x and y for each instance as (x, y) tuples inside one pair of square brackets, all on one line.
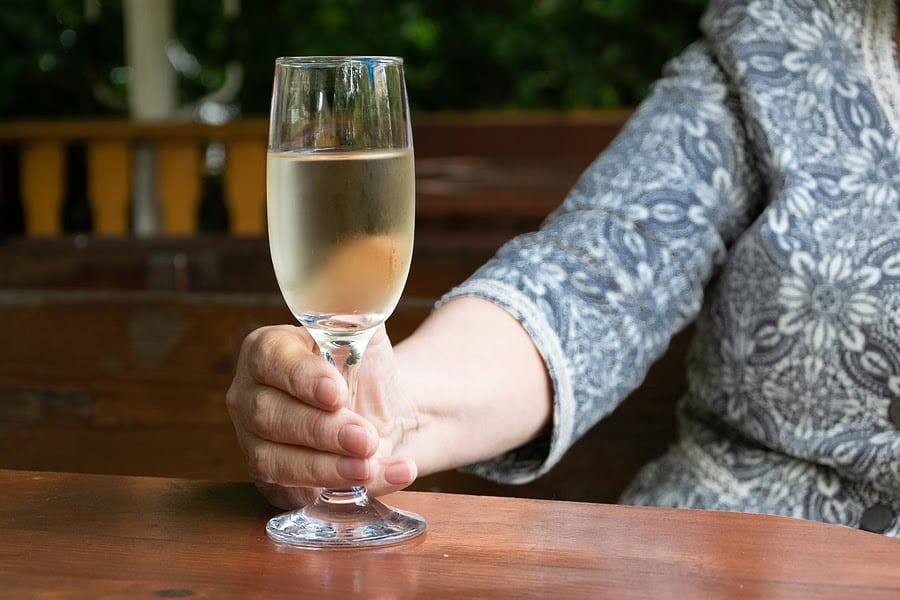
[(340, 189)]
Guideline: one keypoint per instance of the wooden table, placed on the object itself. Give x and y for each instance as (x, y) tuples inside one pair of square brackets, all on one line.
[(75, 535)]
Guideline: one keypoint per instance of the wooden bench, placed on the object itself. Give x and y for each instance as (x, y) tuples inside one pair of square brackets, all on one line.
[(117, 355)]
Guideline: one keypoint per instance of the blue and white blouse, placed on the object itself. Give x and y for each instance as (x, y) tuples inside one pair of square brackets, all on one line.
[(756, 192)]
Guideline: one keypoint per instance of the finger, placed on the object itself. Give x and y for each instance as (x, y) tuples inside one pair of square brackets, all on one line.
[(392, 474), (273, 415), (395, 474), (295, 466), (285, 357)]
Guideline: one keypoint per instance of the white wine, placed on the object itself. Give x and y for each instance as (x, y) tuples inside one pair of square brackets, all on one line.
[(341, 233)]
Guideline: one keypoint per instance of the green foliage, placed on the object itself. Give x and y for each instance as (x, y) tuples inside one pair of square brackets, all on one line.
[(50, 57), (460, 55)]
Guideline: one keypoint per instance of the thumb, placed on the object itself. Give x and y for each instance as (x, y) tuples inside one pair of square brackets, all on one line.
[(394, 474)]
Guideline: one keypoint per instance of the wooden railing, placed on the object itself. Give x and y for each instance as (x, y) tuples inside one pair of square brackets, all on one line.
[(110, 147), (507, 149)]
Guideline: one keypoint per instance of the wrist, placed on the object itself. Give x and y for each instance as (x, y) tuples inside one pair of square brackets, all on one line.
[(473, 397)]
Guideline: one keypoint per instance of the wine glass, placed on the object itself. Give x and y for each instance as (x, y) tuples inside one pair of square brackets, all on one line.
[(340, 189)]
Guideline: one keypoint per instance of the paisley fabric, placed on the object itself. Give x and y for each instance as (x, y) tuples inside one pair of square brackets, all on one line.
[(756, 192)]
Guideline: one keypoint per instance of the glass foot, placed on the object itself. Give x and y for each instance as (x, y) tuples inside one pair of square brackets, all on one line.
[(344, 518)]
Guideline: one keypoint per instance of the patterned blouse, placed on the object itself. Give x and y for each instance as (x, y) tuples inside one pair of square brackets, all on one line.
[(755, 192)]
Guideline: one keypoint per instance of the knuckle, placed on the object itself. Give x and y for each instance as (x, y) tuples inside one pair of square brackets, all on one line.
[(250, 340), (314, 432), (262, 463), (259, 360), (260, 414), (300, 374), (295, 374), (261, 349), (232, 401)]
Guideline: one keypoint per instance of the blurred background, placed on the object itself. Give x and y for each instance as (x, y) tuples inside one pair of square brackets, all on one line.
[(65, 58), (210, 61), (133, 254)]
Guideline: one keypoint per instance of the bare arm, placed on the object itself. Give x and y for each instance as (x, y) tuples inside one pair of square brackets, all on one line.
[(479, 385)]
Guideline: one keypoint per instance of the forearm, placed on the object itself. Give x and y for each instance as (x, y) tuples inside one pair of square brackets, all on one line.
[(478, 382)]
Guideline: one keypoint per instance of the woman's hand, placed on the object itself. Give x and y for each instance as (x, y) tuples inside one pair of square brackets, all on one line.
[(290, 410)]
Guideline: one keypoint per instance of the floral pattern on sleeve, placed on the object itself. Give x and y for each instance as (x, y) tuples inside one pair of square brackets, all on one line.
[(755, 192)]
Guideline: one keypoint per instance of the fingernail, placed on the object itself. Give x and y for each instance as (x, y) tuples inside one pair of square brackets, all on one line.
[(326, 392), (398, 473), (353, 468), (355, 439)]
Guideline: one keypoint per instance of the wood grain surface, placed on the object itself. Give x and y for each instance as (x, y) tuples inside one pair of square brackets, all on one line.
[(100, 536)]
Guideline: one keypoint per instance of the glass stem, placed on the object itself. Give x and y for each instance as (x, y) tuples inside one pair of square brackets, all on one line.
[(345, 352)]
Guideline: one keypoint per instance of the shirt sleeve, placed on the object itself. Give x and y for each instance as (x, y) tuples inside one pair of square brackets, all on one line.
[(621, 265)]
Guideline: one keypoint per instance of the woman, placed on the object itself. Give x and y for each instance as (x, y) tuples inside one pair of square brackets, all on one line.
[(755, 191)]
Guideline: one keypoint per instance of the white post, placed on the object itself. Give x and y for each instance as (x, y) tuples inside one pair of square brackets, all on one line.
[(152, 95)]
